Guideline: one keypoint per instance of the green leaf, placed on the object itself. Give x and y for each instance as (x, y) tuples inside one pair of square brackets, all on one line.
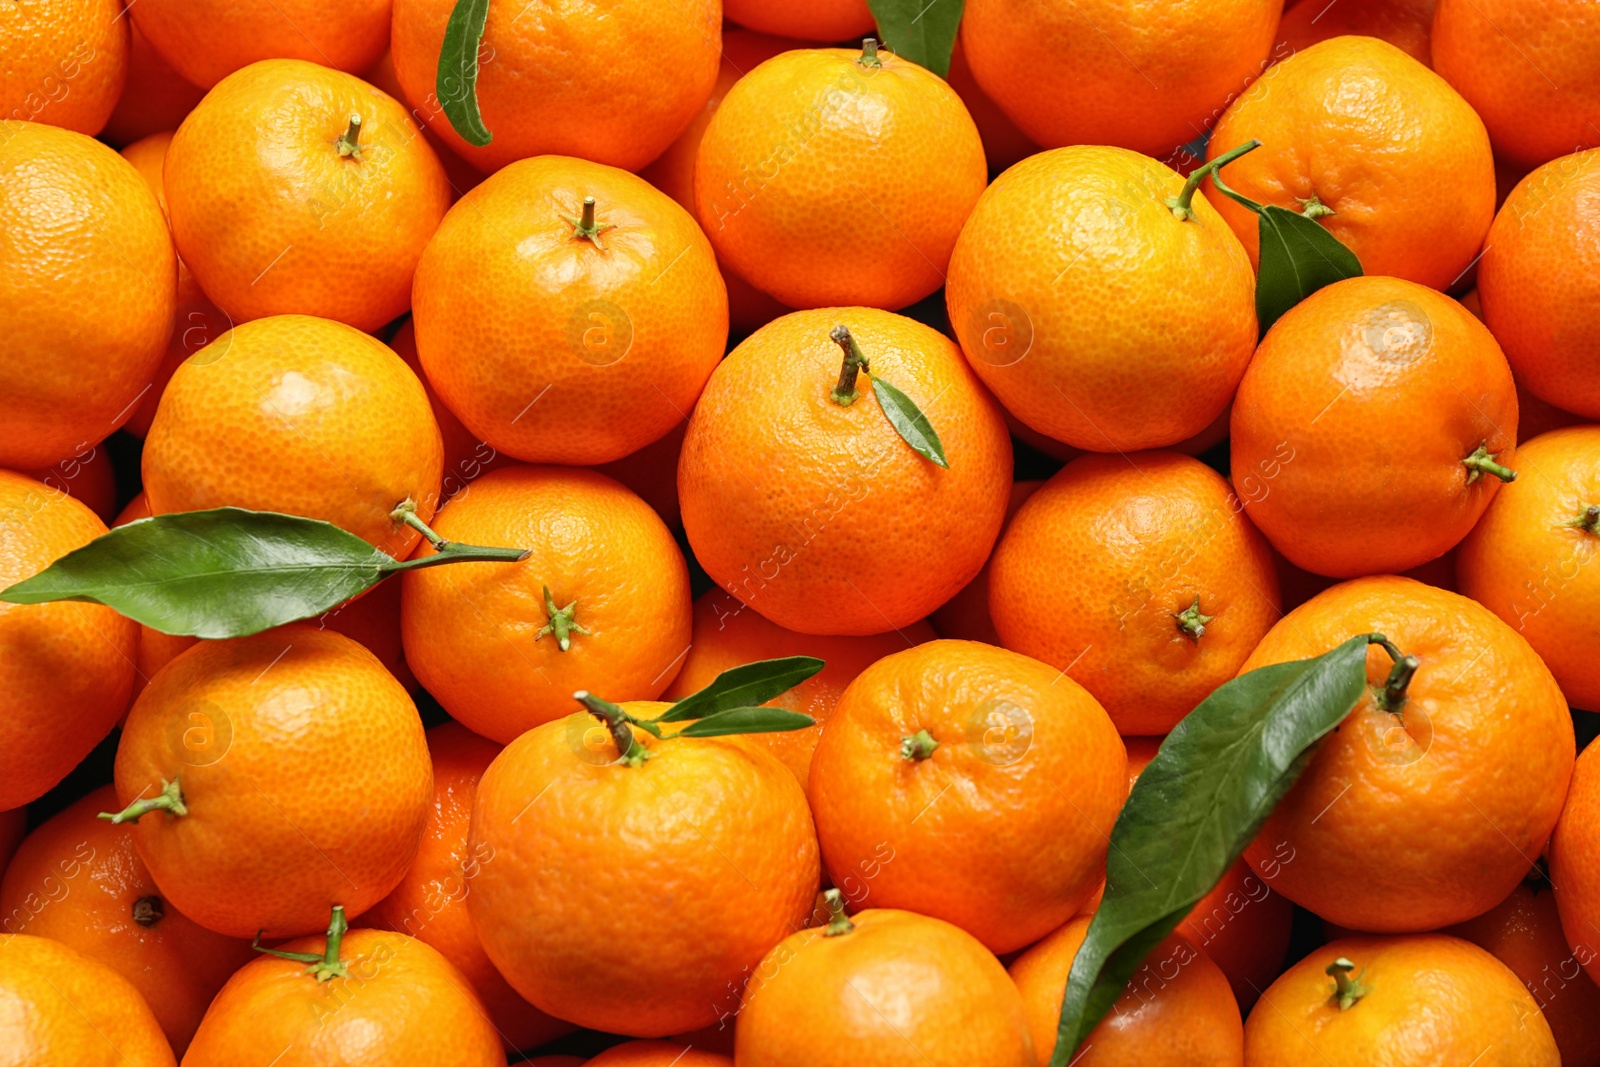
[(1204, 797), (909, 422), (456, 83), (923, 31), (1298, 257), (221, 573), (746, 721), (737, 687)]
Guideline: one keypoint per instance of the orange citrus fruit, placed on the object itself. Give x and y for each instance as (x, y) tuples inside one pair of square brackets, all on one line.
[(206, 40), (659, 1054), (155, 98), (1406, 24), (965, 616), (972, 784), (1177, 1009), (1524, 932), (196, 320), (1527, 559), (816, 149), (614, 83), (568, 312), (87, 475), (69, 669), (601, 602), (1531, 68), (1140, 578), (66, 62), (1575, 863), (673, 170), (1355, 126), (809, 20), (65, 1008), (1430, 802), (706, 845), (728, 634), (79, 880), (1149, 77), (295, 189), (817, 513), (1537, 288), (429, 904), (882, 987), (1332, 491), (392, 1000), (88, 281), (1098, 317), (1412, 1001), (299, 415), (272, 745), (1003, 143)]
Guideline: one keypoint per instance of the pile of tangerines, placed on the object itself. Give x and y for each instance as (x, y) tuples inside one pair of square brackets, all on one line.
[(852, 460)]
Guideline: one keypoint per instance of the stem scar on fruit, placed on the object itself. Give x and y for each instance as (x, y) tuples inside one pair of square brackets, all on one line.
[(585, 228), (1191, 622), (1346, 990), (349, 142), (323, 967)]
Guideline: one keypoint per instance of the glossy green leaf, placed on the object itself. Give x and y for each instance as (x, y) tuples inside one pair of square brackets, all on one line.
[(923, 31), (1298, 257), (220, 573), (456, 83), (909, 422), (744, 686), (1203, 798), (746, 721)]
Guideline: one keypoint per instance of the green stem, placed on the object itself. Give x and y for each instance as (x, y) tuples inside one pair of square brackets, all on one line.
[(1233, 194), (1182, 204), (323, 967), (869, 53), (1482, 462), (585, 227), (919, 746), (1589, 521), (855, 361), (170, 799), (561, 622), (1346, 990), (1191, 622), (349, 142), (619, 722), (838, 922), (1392, 697), (446, 551)]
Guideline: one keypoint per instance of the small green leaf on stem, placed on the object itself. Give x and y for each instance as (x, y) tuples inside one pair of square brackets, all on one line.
[(744, 686), (456, 82), (909, 422), (746, 721), (228, 572), (1204, 797), (919, 30), (1297, 257)]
